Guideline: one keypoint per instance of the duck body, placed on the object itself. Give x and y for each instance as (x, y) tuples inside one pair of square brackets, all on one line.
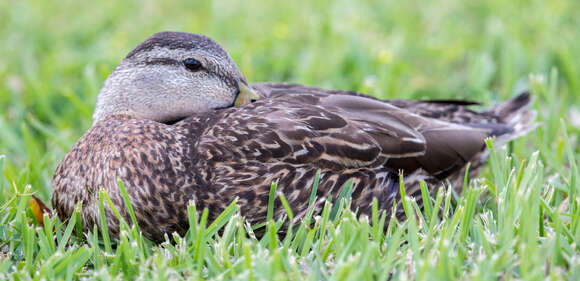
[(210, 158)]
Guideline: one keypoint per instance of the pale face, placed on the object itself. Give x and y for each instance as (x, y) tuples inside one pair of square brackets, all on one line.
[(168, 77)]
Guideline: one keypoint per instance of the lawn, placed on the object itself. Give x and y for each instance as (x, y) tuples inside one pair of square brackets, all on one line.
[(519, 220)]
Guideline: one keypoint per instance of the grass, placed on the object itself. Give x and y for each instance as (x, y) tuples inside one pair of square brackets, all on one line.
[(519, 220)]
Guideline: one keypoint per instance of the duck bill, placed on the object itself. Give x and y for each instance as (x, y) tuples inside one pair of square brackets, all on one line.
[(246, 95)]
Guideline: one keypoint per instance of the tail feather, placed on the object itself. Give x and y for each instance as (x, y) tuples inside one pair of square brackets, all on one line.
[(515, 114), (505, 121)]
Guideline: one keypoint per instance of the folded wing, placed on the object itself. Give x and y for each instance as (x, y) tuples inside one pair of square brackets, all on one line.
[(342, 131)]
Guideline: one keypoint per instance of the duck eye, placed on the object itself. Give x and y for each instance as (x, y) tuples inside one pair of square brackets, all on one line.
[(192, 64)]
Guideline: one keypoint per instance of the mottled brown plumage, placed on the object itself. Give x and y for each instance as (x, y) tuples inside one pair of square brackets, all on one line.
[(215, 155)]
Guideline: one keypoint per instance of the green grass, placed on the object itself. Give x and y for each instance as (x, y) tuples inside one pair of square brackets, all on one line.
[(519, 220)]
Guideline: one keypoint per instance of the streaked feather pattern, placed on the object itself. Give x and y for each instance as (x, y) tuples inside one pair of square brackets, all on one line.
[(293, 131)]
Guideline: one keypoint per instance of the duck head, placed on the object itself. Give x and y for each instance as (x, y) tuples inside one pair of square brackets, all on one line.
[(170, 76)]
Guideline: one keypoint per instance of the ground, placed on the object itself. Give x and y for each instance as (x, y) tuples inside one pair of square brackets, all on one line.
[(519, 220)]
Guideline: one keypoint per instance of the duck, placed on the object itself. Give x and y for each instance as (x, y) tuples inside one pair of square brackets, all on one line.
[(177, 123)]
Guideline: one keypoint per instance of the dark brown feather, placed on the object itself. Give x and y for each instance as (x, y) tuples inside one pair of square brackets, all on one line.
[(288, 135)]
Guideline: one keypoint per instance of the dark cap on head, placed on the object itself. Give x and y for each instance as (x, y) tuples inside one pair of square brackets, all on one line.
[(173, 40)]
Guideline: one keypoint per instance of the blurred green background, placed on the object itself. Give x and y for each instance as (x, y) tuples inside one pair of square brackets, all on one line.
[(55, 56)]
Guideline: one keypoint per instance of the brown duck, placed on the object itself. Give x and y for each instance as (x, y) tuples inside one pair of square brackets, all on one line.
[(166, 125)]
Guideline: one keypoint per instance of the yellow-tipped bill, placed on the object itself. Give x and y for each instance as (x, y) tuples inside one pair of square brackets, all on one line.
[(245, 96)]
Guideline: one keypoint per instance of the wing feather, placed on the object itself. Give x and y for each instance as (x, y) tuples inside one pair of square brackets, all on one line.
[(305, 125)]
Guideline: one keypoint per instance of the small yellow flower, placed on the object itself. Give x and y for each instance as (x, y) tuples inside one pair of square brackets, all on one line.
[(280, 30), (385, 56)]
